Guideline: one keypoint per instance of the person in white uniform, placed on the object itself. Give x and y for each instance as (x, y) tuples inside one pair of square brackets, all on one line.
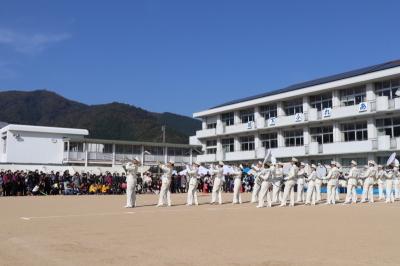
[(193, 174), (318, 185), (301, 183), (266, 176), (277, 180), (131, 169), (352, 181), (165, 193), (290, 181), (369, 180), (237, 185), (396, 187), (332, 177), (218, 173), (381, 182), (393, 170), (311, 187), (257, 181)]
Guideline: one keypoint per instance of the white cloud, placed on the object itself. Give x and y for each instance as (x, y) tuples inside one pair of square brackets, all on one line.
[(32, 43)]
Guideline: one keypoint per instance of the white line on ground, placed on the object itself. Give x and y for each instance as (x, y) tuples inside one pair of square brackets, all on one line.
[(75, 215)]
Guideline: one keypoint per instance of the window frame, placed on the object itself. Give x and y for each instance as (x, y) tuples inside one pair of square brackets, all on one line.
[(353, 96), (293, 138), (228, 147), (293, 107), (354, 131), (247, 143)]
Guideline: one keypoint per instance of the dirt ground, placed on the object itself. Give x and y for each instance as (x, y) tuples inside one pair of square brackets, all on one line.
[(96, 230)]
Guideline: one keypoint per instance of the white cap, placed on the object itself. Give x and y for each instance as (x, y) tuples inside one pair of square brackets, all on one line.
[(221, 163), (171, 162), (137, 159), (295, 160), (353, 162), (371, 162), (313, 166), (333, 163)]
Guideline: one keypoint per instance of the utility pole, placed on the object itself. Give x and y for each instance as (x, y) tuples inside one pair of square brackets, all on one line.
[(163, 133)]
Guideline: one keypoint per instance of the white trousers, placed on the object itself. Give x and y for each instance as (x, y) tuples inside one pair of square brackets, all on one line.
[(300, 190), (331, 191), (389, 191), (217, 191), (192, 192), (256, 191), (396, 186), (381, 187), (165, 194), (368, 193), (351, 195), (276, 191), (264, 194), (131, 194), (236, 191), (288, 192), (318, 184), (311, 192)]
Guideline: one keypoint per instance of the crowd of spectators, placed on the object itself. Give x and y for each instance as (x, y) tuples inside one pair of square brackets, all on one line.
[(27, 183)]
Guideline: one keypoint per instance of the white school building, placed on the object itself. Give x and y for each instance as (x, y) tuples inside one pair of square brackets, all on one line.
[(352, 115), (54, 146)]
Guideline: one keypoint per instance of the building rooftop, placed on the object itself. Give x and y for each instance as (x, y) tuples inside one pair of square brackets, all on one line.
[(41, 129), (314, 82)]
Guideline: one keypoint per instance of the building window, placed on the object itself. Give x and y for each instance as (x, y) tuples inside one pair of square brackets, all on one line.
[(76, 147), (246, 115), (211, 125), (322, 134), (352, 96), (228, 118), (128, 149), (268, 111), (321, 101), (269, 140), (247, 143), (293, 107), (211, 146), (387, 88), (293, 138), (228, 145), (355, 131), (360, 161), (388, 126)]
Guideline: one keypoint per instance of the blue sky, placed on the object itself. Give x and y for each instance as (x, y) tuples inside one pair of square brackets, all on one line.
[(186, 56)]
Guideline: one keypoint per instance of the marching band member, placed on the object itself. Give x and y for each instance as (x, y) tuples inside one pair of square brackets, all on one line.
[(396, 187), (257, 181), (332, 178), (193, 174), (352, 181), (369, 181), (290, 181), (311, 187), (300, 183), (131, 170), (318, 185), (218, 172), (266, 175), (392, 172), (237, 185), (381, 181), (276, 182), (165, 194)]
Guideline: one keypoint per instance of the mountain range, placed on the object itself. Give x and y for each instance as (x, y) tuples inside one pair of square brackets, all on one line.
[(116, 121)]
